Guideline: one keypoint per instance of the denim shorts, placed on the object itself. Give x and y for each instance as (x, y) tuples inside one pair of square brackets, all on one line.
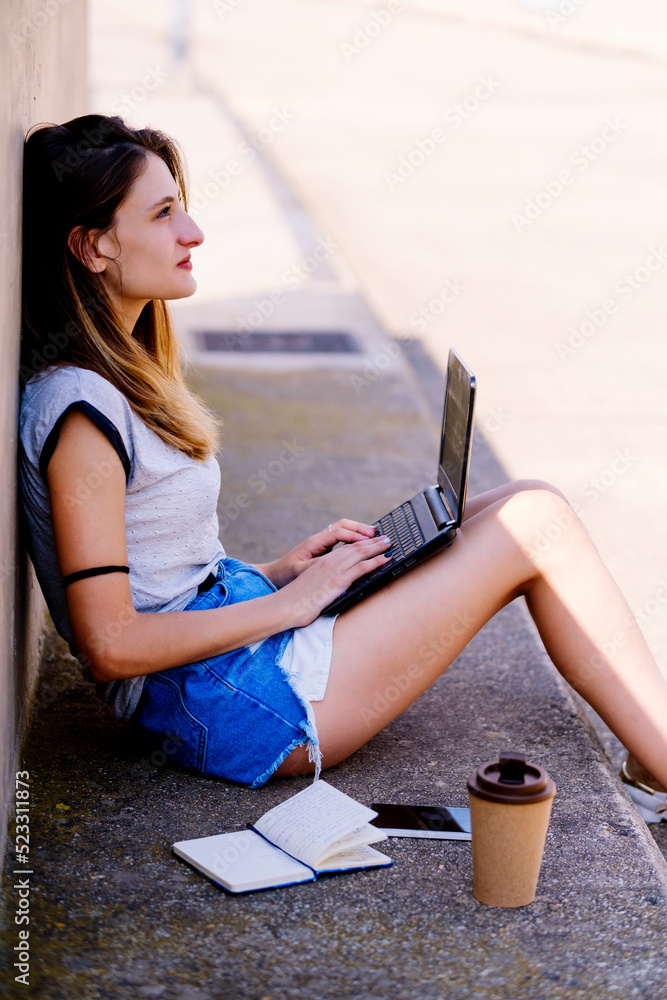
[(234, 716)]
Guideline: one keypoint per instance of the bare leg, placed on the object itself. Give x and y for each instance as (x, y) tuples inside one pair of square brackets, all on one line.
[(475, 505), (528, 543)]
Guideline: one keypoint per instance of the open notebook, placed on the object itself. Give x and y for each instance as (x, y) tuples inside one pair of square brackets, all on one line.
[(315, 831)]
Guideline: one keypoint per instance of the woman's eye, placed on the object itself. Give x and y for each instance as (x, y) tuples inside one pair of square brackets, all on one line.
[(165, 211)]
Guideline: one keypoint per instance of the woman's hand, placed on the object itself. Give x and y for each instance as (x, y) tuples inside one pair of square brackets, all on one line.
[(316, 572), (111, 637), (282, 571)]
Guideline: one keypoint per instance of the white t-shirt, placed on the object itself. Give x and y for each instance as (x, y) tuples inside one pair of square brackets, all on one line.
[(171, 501)]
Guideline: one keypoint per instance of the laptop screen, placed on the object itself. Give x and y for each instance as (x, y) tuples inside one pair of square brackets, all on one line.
[(456, 433)]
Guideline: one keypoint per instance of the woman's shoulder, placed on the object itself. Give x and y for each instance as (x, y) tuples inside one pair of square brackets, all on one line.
[(51, 393), (55, 388), (68, 378)]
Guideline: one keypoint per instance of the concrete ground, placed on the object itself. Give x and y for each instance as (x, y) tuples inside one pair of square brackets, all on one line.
[(115, 913)]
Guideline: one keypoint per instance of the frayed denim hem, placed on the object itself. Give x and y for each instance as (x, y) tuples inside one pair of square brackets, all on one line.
[(309, 738), (233, 712), (309, 726)]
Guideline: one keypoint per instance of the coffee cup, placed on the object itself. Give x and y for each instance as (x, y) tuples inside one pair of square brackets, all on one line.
[(510, 805)]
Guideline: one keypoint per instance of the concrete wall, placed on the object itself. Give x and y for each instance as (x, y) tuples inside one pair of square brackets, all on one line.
[(43, 55)]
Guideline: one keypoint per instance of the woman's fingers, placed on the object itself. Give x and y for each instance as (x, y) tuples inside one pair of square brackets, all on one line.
[(331, 574), (358, 553), (324, 541), (346, 530)]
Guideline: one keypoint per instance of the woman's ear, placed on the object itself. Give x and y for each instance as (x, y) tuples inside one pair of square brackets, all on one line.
[(83, 245)]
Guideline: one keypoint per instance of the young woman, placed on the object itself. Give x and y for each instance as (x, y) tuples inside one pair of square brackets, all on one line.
[(233, 663)]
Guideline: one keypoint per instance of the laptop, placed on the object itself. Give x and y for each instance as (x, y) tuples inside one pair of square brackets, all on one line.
[(427, 522)]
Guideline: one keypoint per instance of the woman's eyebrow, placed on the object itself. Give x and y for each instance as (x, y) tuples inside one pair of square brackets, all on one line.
[(167, 200)]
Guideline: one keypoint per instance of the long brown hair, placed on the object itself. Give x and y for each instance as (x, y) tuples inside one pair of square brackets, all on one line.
[(75, 177)]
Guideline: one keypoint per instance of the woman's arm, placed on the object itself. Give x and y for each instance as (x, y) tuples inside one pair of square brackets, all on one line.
[(293, 563), (115, 639)]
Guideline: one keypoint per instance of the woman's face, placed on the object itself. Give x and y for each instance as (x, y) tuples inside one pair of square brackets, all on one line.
[(150, 242)]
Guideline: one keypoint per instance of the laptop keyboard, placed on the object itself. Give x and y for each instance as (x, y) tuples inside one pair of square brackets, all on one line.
[(401, 526)]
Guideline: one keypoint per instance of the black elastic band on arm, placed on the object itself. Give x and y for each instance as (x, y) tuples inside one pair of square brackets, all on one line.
[(97, 571)]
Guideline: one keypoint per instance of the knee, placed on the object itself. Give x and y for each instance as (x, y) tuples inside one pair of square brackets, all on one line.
[(540, 518), (536, 485)]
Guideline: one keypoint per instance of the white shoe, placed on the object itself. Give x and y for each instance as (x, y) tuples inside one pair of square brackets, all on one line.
[(651, 805)]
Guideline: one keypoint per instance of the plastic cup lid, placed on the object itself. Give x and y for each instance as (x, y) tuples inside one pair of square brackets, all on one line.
[(511, 779)]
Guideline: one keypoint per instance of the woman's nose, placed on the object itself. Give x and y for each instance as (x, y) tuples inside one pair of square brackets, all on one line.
[(191, 235)]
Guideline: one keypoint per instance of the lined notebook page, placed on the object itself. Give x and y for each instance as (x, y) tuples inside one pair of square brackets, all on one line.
[(356, 857), (312, 821), (366, 834), (242, 861)]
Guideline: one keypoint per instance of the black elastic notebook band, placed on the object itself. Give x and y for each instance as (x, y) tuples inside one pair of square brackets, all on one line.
[(97, 571)]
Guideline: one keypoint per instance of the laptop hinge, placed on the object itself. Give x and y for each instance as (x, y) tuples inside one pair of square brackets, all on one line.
[(441, 515)]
